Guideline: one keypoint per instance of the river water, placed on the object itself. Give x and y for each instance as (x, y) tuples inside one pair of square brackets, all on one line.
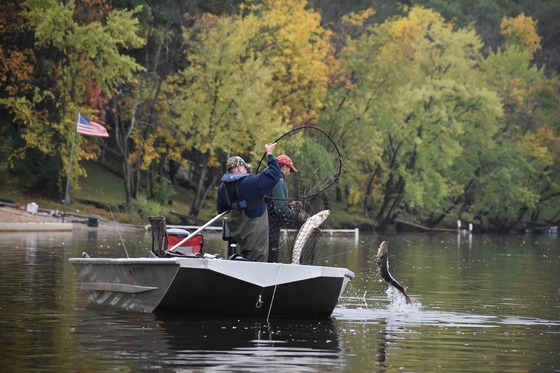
[(480, 303)]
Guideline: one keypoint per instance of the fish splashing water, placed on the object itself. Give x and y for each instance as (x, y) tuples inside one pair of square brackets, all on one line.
[(382, 261), (310, 225)]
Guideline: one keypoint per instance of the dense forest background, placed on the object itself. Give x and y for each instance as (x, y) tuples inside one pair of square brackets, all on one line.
[(442, 110)]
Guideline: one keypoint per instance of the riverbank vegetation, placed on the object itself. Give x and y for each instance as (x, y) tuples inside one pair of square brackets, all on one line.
[(441, 114)]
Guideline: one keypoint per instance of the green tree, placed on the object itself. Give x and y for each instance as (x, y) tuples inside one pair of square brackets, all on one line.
[(417, 101), (524, 187)]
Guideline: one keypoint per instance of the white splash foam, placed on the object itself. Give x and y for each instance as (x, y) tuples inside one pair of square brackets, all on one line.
[(397, 302)]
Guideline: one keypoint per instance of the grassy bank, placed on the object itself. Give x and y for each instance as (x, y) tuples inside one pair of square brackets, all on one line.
[(102, 192)]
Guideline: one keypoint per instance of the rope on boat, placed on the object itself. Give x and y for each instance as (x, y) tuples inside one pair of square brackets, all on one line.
[(273, 293)]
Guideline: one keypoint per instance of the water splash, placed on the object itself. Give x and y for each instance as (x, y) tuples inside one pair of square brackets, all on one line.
[(397, 302)]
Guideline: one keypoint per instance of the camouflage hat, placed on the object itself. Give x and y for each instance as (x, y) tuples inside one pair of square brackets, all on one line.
[(236, 161)]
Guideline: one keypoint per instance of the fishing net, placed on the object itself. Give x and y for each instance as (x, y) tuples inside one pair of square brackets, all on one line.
[(317, 160)]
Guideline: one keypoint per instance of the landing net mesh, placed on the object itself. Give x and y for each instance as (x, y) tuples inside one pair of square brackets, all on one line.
[(317, 160)]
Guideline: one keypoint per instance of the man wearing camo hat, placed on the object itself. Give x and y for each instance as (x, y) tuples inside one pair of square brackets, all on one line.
[(243, 194)]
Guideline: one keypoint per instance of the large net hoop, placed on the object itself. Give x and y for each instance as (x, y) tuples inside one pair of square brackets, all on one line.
[(316, 157), (318, 161)]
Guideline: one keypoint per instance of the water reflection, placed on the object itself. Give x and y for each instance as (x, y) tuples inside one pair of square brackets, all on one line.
[(147, 341), (480, 303)]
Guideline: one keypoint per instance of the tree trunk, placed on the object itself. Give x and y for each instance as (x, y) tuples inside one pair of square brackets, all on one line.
[(206, 181), (122, 139)]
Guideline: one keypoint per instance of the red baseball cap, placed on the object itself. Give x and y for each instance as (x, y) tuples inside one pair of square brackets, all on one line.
[(284, 159)]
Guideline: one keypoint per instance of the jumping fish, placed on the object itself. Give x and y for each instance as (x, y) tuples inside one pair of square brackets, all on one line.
[(382, 260), (310, 225)]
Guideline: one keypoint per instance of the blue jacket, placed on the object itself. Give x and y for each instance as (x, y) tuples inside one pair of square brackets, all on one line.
[(252, 189)]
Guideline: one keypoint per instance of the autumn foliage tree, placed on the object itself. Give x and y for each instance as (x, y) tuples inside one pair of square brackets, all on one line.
[(66, 64), (298, 51), (221, 102), (522, 188), (409, 146), (438, 118)]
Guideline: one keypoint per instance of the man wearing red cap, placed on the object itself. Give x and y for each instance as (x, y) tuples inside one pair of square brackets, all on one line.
[(281, 213)]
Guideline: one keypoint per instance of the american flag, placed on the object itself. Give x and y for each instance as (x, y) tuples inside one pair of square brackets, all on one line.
[(90, 128)]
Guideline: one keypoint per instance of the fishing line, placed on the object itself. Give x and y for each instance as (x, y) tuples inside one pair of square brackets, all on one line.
[(394, 128), (447, 278), (316, 155), (319, 161), (362, 146), (273, 293), (118, 230), (326, 257), (400, 125), (343, 252)]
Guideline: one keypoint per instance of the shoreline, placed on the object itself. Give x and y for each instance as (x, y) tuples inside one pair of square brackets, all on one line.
[(17, 220)]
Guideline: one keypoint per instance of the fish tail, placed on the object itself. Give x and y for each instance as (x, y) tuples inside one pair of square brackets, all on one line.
[(402, 290)]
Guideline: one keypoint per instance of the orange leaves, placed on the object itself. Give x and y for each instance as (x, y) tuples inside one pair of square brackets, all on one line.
[(57, 59), (16, 60), (16, 66)]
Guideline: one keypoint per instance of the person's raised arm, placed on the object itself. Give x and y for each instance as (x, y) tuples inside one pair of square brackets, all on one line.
[(270, 148)]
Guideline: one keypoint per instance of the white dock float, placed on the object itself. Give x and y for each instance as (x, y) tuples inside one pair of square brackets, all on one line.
[(35, 227), (331, 232)]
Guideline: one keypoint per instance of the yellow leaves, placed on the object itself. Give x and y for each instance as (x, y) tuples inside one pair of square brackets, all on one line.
[(357, 20), (80, 65), (521, 31), (403, 36), (354, 196), (145, 150), (222, 100), (406, 35), (405, 31), (298, 49), (543, 146)]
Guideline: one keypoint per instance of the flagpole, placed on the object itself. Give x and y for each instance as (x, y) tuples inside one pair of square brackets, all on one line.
[(67, 194)]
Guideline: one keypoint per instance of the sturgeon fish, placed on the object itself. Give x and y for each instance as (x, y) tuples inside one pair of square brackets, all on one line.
[(382, 260), (311, 225)]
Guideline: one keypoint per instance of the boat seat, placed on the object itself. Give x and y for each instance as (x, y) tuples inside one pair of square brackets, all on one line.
[(193, 246)]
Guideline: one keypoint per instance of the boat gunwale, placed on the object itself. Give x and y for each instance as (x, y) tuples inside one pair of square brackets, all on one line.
[(178, 260)]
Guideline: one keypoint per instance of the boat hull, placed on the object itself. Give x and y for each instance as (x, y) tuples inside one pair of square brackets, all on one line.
[(210, 287)]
